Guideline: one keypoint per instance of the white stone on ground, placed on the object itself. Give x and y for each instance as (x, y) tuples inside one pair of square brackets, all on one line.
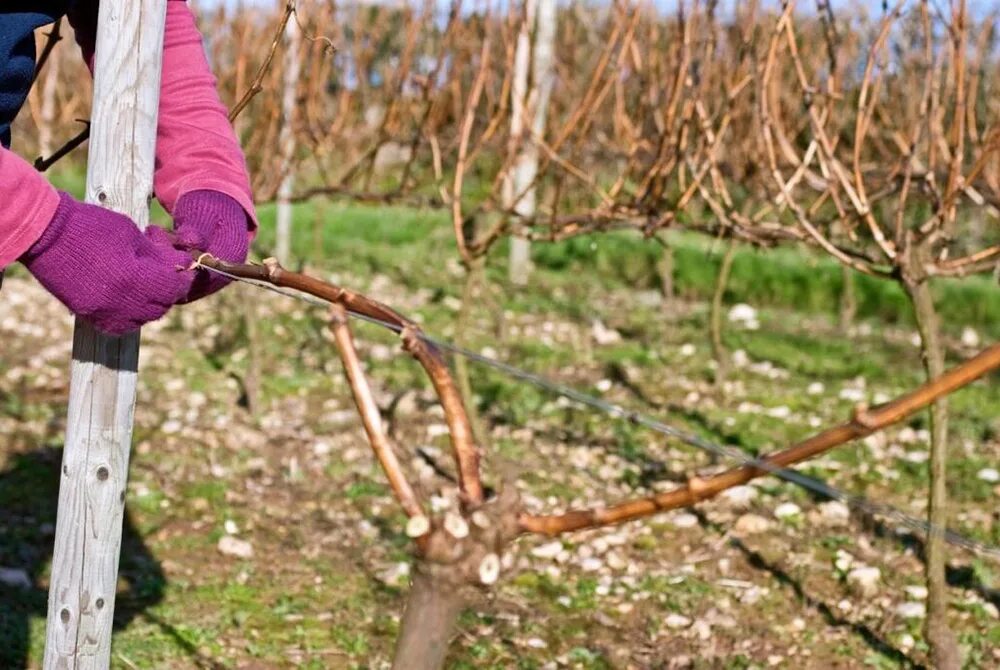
[(844, 560), (739, 496), (834, 513), (322, 448), (989, 475), (742, 312), (744, 315), (685, 520), (911, 610), (864, 580), (852, 394), (786, 510), (676, 621), (616, 561), (970, 338), (602, 334), (751, 523), (232, 546), (547, 550)]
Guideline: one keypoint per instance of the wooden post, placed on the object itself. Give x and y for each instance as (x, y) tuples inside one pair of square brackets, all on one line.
[(103, 373), (514, 193), (286, 141), (528, 117)]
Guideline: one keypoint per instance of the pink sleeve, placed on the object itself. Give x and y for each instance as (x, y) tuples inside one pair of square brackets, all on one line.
[(27, 204), (196, 147)]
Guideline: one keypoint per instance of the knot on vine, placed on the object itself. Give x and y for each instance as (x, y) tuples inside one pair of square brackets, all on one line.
[(273, 268), (466, 548), (698, 488), (410, 335), (863, 418)]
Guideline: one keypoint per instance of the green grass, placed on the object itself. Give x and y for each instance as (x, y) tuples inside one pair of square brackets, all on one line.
[(244, 612), (790, 278)]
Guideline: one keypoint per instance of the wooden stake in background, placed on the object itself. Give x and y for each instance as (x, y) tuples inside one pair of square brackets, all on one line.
[(104, 369), (286, 140)]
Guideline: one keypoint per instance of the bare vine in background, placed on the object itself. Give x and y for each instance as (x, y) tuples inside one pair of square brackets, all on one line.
[(256, 86), (53, 37), (724, 126), (43, 164)]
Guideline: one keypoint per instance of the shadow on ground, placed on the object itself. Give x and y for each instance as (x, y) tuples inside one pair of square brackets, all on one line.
[(28, 498), (872, 638)]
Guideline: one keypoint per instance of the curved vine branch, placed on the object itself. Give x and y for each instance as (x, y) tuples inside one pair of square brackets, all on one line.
[(863, 422), (370, 415), (465, 450)]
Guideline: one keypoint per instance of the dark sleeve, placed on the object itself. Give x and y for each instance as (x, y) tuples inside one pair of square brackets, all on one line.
[(18, 21)]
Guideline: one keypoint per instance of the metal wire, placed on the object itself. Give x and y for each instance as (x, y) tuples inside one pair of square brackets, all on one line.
[(616, 411)]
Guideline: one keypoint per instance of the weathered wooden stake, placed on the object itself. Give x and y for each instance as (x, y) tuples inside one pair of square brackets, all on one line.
[(529, 112), (286, 140), (104, 369)]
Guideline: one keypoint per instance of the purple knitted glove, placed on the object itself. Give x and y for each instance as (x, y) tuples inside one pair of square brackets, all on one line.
[(105, 270), (215, 223)]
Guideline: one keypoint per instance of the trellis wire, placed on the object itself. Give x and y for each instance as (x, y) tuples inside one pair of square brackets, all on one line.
[(616, 411)]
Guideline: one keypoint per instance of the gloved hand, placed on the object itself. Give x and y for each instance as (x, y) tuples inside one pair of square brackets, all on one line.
[(212, 222), (107, 271)]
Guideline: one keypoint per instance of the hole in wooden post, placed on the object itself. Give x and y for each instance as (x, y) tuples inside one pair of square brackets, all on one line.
[(102, 196), (64, 615), (121, 497), (100, 603), (65, 469), (102, 473)]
